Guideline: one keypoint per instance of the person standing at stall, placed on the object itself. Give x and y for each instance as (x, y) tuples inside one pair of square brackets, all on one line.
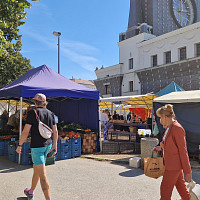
[(104, 120), (4, 119), (176, 161), (40, 146)]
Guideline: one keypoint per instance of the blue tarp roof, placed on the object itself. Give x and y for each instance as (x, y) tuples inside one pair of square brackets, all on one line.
[(172, 87), (44, 80)]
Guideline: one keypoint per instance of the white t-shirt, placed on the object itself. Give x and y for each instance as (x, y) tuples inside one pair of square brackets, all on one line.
[(165, 134), (104, 117)]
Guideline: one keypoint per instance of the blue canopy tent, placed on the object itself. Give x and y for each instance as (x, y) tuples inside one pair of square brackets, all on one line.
[(172, 87), (70, 101)]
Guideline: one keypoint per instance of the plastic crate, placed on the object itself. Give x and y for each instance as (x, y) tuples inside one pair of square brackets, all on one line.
[(65, 146), (11, 148), (57, 156), (26, 146), (1, 152), (76, 153), (25, 159), (75, 141), (1, 145), (12, 157), (62, 141), (65, 155), (5, 150), (76, 147)]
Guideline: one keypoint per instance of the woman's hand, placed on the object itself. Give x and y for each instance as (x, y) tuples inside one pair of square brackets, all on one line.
[(162, 145), (156, 149), (188, 177)]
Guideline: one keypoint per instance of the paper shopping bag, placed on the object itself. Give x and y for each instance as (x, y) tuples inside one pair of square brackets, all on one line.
[(154, 167)]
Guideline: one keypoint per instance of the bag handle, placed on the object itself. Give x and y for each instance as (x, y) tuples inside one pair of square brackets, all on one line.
[(157, 155), (37, 117), (191, 184)]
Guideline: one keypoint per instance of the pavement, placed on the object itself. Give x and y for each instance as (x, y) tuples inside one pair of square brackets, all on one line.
[(124, 158), (84, 179)]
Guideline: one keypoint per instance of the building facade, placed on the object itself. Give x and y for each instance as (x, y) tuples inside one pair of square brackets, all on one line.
[(161, 45), (86, 83)]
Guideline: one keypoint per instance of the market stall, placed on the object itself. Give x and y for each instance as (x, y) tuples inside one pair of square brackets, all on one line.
[(126, 127), (70, 101), (187, 110)]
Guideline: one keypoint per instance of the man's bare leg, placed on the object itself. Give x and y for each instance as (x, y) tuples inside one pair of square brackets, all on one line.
[(41, 170), (35, 178)]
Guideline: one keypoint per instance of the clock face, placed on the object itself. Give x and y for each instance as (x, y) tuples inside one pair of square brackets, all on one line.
[(183, 12)]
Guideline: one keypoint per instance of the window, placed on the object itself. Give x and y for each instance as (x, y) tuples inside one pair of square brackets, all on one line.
[(130, 86), (107, 89), (182, 53), (131, 63), (198, 49), (154, 60), (168, 57)]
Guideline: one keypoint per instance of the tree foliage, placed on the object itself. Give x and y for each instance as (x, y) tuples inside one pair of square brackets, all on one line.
[(12, 63)]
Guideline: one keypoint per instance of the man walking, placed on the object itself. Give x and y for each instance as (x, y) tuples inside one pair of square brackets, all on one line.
[(40, 146)]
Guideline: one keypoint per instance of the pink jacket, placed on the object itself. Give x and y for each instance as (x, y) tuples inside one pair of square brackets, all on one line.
[(175, 149)]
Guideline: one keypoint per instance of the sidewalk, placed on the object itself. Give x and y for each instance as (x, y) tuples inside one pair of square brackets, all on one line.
[(124, 158)]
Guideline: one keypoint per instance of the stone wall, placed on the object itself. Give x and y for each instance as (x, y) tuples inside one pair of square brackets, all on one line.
[(115, 83), (185, 73)]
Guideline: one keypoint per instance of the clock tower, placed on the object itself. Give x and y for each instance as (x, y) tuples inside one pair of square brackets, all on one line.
[(160, 16)]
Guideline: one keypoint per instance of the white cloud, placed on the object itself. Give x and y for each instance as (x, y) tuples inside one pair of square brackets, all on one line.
[(79, 47), (78, 52), (39, 8)]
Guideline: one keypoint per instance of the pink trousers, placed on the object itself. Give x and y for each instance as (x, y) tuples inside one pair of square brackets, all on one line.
[(173, 178)]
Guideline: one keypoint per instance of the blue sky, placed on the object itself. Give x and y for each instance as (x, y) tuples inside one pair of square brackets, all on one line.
[(90, 31)]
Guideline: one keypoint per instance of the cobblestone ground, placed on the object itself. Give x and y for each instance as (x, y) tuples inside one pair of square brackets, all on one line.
[(83, 179)]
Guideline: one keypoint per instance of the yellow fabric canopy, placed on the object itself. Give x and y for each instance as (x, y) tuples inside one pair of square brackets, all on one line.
[(135, 100), (16, 103)]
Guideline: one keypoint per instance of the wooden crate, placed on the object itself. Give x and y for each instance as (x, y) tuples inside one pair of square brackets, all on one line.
[(88, 143)]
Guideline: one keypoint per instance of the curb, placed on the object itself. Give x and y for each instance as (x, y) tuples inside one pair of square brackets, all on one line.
[(122, 161), (106, 160)]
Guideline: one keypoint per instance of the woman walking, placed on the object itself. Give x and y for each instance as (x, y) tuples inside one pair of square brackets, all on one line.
[(176, 161)]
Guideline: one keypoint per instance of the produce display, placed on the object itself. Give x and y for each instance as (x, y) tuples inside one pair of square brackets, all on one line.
[(6, 135), (88, 136)]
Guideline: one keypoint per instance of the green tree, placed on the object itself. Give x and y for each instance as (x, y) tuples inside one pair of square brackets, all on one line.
[(12, 63)]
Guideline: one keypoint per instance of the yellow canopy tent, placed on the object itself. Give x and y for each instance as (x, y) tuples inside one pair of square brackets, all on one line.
[(145, 100)]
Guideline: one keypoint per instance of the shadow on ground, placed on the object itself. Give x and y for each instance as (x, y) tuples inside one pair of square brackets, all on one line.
[(132, 173), (7, 166), (22, 198)]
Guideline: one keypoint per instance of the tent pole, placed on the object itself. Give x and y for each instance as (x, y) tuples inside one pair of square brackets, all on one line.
[(152, 115), (20, 124), (100, 127), (112, 110), (8, 107)]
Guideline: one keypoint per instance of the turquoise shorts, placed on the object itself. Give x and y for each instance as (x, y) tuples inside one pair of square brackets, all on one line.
[(39, 155)]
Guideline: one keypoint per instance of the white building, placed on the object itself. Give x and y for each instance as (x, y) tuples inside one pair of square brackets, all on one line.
[(157, 51)]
